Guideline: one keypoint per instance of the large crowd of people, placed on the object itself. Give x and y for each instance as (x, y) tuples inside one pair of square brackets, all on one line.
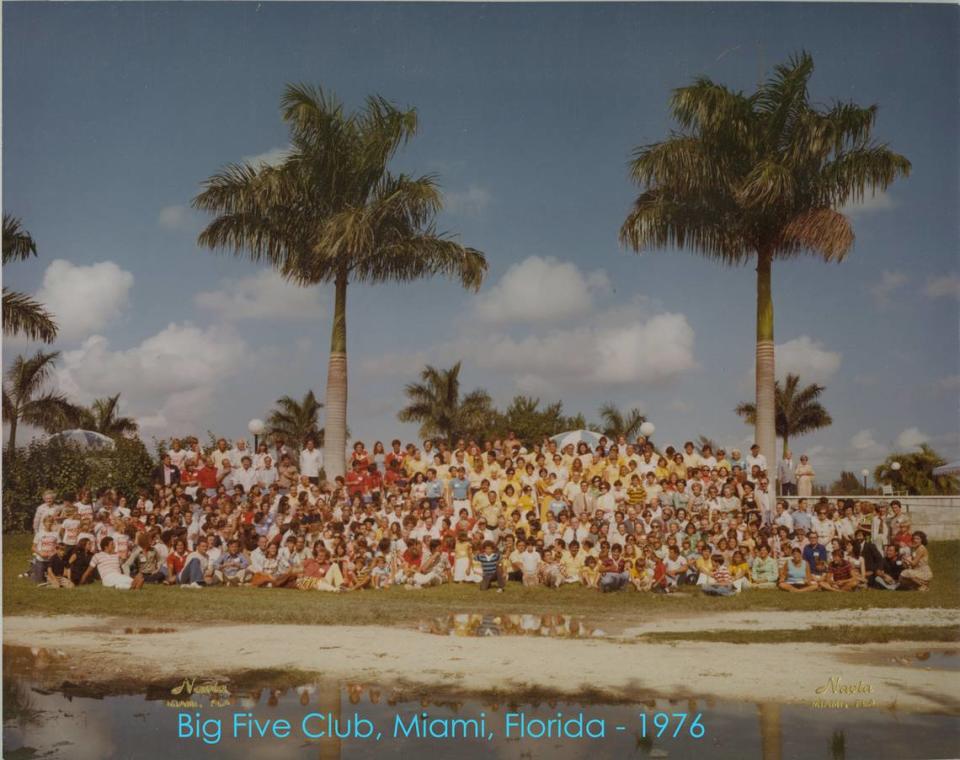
[(616, 515)]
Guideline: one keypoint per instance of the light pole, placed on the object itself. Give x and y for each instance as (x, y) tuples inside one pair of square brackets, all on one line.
[(895, 466), (256, 427), (647, 429), (864, 472)]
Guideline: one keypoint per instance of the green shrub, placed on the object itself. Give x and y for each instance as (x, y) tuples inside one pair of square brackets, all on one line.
[(64, 467)]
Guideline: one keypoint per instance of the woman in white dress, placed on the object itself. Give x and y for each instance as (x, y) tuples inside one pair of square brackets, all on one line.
[(805, 475)]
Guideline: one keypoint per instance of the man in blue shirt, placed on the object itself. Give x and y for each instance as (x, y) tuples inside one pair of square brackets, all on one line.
[(434, 488), (802, 519), (814, 551), (489, 560), (231, 568), (460, 491)]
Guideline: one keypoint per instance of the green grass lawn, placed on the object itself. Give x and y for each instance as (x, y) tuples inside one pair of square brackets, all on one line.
[(397, 605)]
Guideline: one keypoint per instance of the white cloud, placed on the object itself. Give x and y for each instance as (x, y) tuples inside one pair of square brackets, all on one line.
[(84, 299), (888, 283), (265, 295), (168, 380), (807, 358), (470, 202), (541, 290), (864, 441), (176, 218), (911, 438), (272, 157), (639, 350), (947, 286), (879, 201)]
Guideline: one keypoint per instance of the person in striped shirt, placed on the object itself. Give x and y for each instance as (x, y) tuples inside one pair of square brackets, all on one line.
[(489, 560)]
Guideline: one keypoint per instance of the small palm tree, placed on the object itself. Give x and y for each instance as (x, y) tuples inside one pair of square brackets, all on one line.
[(436, 404), (297, 420), (616, 423), (21, 314), (757, 178), (103, 417), (334, 213), (25, 400), (798, 409)]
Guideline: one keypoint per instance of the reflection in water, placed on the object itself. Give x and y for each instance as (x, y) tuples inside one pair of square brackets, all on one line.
[(77, 722), (770, 740), (473, 624)]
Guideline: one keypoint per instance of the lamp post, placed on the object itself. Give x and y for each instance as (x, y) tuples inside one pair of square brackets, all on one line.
[(895, 466), (647, 429), (256, 427), (864, 472)]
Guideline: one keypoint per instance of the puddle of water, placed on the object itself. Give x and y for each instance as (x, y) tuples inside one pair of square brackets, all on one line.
[(130, 631), (76, 722), (478, 625), (946, 660)]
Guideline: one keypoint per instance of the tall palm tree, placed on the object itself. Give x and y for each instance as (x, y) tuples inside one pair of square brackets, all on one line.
[(25, 400), (297, 420), (754, 178), (437, 405), (799, 410), (333, 213), (103, 416), (616, 423), (22, 315)]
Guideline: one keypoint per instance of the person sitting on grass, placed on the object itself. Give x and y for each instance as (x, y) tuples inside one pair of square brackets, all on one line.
[(58, 569), (795, 574), (491, 567), (840, 574), (721, 582), (269, 575), (764, 571), (887, 576), (613, 576), (195, 566), (108, 564), (320, 572), (918, 573), (232, 568)]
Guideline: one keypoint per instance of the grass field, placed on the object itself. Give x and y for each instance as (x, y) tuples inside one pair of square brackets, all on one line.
[(397, 605)]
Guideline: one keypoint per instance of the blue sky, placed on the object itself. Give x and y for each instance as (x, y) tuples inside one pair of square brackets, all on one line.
[(114, 113)]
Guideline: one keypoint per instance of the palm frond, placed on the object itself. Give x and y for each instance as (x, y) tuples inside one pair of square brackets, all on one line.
[(22, 315), (17, 242)]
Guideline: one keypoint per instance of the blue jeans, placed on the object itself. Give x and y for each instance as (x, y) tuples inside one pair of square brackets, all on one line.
[(614, 581), (191, 573)]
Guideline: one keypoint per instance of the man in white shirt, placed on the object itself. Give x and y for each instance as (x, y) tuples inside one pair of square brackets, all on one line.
[(267, 475), (756, 458), (238, 452), (311, 461), (246, 476)]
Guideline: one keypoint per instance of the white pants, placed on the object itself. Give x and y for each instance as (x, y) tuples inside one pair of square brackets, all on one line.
[(118, 581)]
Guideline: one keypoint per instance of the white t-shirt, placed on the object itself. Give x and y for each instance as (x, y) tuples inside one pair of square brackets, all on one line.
[(71, 531), (530, 561), (311, 462), (177, 458)]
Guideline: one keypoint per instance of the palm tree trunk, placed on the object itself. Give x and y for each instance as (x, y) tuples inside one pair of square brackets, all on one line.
[(766, 434), (12, 445), (335, 433)]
